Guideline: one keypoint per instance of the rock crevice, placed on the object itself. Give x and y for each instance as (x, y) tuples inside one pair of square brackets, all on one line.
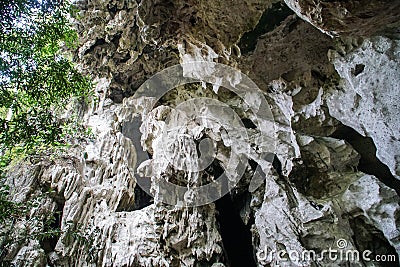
[(316, 162)]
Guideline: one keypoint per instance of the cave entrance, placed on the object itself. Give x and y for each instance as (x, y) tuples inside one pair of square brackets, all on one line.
[(236, 235)]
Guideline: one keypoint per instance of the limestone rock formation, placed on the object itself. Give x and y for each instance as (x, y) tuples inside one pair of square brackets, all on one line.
[(316, 162), (373, 101), (357, 18)]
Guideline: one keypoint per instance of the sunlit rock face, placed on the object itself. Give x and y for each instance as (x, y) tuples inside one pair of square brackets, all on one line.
[(317, 159)]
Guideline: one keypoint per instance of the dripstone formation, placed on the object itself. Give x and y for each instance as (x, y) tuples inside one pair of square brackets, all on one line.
[(330, 73)]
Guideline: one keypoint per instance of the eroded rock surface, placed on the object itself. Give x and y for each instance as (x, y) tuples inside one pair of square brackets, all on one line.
[(356, 18), (371, 74), (304, 185)]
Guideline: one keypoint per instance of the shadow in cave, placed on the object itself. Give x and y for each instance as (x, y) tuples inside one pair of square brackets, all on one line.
[(368, 237), (270, 19), (131, 130), (236, 235), (52, 228), (368, 163)]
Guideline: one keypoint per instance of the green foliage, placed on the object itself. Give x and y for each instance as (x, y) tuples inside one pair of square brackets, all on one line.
[(8, 209), (37, 78), (75, 233)]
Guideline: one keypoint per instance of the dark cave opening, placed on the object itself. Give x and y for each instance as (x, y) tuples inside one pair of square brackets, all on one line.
[(52, 224), (131, 130), (236, 235), (98, 42), (368, 163), (270, 19), (249, 124), (358, 69), (142, 199)]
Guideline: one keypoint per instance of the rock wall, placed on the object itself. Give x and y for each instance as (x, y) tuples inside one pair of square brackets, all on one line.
[(318, 167)]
